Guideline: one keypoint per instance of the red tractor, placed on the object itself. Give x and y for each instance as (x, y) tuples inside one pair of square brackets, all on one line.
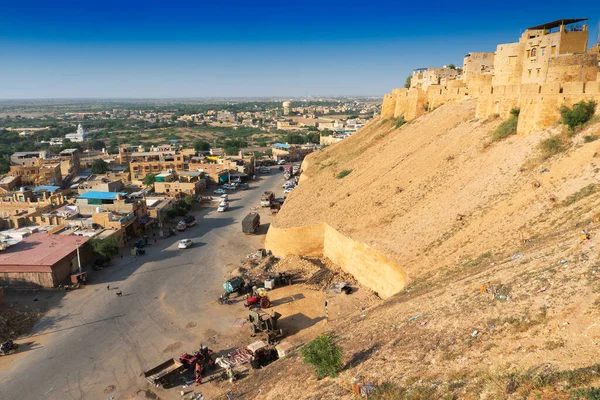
[(257, 301)]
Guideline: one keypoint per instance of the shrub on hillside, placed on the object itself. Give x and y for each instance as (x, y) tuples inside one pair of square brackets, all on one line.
[(505, 129), (399, 122), (324, 356), (343, 173), (508, 127), (581, 113), (551, 146)]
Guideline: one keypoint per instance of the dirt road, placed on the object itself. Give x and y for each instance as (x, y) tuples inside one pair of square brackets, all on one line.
[(96, 344)]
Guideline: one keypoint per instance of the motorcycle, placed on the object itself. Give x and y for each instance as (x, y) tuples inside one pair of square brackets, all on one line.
[(224, 299), (7, 347)]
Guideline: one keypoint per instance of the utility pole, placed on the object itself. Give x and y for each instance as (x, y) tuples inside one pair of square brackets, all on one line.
[(78, 258)]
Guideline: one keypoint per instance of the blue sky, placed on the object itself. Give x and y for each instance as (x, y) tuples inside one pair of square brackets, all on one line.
[(143, 49)]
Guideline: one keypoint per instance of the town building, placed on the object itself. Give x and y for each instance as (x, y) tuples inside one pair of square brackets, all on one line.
[(177, 184), (38, 174), (43, 260), (155, 162), (69, 162)]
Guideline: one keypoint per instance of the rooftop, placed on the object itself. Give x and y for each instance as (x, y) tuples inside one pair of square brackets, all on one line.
[(557, 23), (152, 153), (68, 151), (39, 250), (189, 173), (282, 145), (92, 194), (46, 188)]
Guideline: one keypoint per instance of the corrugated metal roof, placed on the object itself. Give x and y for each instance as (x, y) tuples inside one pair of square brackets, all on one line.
[(47, 188), (92, 194), (37, 251), (282, 145)]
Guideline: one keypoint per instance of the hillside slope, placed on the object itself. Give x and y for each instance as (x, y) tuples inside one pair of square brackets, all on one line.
[(434, 193), (502, 299)]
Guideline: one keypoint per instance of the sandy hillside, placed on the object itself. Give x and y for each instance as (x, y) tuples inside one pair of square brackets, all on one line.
[(435, 193), (503, 298)]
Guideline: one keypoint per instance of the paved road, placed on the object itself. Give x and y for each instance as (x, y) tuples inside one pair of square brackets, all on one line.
[(94, 338)]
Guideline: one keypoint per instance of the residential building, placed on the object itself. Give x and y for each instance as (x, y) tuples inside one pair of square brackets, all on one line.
[(177, 184), (155, 162)]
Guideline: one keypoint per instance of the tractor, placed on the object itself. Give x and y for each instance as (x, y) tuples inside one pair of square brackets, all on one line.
[(259, 298)]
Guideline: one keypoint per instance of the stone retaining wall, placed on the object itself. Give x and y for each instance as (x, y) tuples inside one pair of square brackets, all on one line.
[(369, 267)]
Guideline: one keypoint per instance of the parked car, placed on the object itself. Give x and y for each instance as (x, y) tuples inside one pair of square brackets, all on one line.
[(185, 243), (228, 187), (224, 197), (244, 186), (280, 200), (281, 162), (181, 226), (223, 207), (190, 220), (288, 190), (219, 191)]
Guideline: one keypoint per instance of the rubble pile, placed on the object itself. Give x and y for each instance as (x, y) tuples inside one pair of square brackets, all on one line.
[(17, 320)]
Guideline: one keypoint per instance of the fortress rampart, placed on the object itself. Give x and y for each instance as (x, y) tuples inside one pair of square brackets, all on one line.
[(549, 67), (539, 103)]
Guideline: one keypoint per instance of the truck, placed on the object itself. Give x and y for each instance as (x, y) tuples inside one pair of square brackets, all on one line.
[(266, 199), (251, 223), (164, 373)]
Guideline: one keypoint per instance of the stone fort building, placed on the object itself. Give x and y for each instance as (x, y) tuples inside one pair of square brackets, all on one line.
[(548, 67)]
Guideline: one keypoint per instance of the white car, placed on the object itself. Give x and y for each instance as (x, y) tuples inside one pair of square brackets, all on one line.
[(281, 162), (224, 197), (223, 207), (288, 190), (219, 191), (185, 243)]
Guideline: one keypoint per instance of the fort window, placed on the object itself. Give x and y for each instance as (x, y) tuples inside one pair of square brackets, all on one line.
[(529, 74), (528, 53), (537, 73), (533, 52), (553, 50), (543, 51)]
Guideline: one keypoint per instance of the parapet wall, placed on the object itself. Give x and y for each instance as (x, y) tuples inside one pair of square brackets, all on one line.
[(540, 104), (371, 268)]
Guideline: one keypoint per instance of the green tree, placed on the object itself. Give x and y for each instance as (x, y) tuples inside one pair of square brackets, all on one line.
[(452, 66), (313, 138), (99, 167), (324, 356), (201, 145), (97, 145), (4, 165), (408, 81), (326, 132), (149, 180), (105, 248)]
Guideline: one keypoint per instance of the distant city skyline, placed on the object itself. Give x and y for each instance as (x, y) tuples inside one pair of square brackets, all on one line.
[(241, 49)]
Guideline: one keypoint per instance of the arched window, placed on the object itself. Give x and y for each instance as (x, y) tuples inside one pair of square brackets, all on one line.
[(533, 52)]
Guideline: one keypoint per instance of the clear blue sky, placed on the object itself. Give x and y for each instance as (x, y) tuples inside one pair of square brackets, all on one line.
[(141, 49)]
